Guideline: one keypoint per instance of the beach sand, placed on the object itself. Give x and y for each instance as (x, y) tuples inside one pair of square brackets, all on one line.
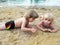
[(18, 37)]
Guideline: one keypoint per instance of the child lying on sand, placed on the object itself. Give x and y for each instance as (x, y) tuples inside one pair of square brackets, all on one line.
[(47, 23), (23, 22)]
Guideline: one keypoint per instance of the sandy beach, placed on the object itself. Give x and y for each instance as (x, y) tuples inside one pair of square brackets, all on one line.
[(18, 37)]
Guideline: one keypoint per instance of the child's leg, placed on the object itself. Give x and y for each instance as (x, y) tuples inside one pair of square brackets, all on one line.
[(2, 26)]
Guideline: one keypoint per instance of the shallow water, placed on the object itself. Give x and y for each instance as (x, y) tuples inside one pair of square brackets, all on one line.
[(17, 37), (30, 2)]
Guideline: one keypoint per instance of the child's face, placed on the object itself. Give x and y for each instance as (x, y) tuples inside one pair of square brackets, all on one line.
[(47, 20), (31, 19)]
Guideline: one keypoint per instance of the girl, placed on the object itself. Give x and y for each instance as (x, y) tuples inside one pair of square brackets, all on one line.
[(47, 23)]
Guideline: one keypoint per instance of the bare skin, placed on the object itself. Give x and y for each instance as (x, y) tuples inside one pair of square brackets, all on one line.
[(46, 23), (22, 23)]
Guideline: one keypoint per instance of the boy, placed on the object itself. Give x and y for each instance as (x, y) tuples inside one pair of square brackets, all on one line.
[(23, 22)]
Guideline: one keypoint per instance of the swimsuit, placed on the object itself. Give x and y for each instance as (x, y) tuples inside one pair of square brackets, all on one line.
[(10, 25)]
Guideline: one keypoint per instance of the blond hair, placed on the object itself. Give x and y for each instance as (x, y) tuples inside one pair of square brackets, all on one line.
[(31, 14), (47, 15)]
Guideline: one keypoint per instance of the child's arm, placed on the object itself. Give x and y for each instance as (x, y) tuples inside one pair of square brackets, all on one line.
[(40, 27), (52, 30), (23, 28)]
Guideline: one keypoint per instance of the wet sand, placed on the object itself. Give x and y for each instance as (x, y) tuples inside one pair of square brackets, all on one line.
[(17, 37)]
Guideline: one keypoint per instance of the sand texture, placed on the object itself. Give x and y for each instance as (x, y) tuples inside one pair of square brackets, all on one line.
[(18, 37)]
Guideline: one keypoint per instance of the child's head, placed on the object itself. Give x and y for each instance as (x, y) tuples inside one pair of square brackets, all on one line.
[(48, 17), (31, 15)]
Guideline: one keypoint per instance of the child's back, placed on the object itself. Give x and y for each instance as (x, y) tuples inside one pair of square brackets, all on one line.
[(18, 22)]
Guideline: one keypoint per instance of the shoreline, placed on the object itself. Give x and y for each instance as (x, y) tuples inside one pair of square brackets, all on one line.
[(48, 7)]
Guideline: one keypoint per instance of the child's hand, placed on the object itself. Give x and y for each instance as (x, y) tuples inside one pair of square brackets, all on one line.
[(53, 31), (33, 30), (49, 30), (45, 30)]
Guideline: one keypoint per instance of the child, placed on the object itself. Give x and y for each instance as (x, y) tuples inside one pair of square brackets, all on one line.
[(23, 22), (47, 23)]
